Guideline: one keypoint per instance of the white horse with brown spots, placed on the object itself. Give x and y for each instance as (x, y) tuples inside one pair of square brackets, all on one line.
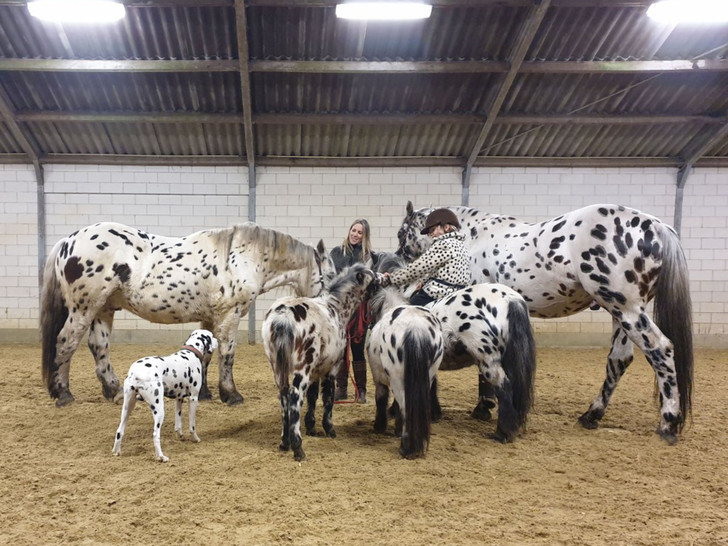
[(211, 276), (306, 338)]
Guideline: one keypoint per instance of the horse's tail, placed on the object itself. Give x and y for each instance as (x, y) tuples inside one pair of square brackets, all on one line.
[(519, 360), (282, 339), (673, 315), (53, 316), (419, 353)]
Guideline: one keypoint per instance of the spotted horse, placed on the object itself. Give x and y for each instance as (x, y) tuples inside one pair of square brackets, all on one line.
[(614, 256), (306, 338), (210, 276), (484, 325)]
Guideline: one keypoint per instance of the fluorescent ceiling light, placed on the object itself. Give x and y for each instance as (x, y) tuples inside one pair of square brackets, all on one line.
[(77, 11), (383, 10), (689, 11)]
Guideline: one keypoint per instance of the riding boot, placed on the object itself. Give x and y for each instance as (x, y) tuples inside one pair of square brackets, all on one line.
[(360, 378), (342, 380)]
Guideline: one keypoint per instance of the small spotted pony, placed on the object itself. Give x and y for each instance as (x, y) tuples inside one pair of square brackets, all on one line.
[(616, 257), (306, 338), (210, 276), (486, 325), (404, 350), (177, 376)]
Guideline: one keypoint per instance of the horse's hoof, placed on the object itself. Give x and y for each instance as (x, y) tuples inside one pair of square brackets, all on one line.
[(284, 446), (331, 433), (233, 399), (298, 454), (501, 437), (310, 432), (668, 436), (588, 421), (205, 394), (64, 399), (163, 459), (481, 413)]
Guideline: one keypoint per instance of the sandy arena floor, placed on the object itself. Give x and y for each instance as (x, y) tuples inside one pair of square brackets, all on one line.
[(557, 484)]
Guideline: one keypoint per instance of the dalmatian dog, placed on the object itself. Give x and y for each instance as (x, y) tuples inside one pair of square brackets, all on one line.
[(177, 376)]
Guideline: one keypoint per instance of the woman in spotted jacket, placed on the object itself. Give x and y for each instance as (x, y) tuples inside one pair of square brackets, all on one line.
[(445, 266), (356, 248)]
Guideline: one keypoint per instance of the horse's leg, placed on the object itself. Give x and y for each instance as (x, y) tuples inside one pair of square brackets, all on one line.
[(129, 403), (619, 359), (435, 408), (98, 342), (67, 342), (486, 400), (205, 393), (285, 444), (295, 402), (226, 332), (328, 399), (507, 425), (311, 399), (381, 397)]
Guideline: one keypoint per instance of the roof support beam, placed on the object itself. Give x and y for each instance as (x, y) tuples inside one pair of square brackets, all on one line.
[(533, 21), (243, 56), (53, 116), (364, 67), (8, 116)]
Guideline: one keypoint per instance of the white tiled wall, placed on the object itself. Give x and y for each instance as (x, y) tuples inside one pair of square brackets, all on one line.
[(313, 204)]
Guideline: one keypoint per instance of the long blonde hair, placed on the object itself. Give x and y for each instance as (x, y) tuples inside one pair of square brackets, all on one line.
[(366, 244)]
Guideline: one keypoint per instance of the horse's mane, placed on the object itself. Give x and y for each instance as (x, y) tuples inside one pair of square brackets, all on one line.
[(388, 262), (343, 282), (284, 251)]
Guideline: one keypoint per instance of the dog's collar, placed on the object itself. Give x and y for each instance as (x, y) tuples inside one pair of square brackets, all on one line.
[(198, 354)]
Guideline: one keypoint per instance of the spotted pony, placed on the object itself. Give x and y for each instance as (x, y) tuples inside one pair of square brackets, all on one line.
[(612, 256), (404, 350), (306, 338), (210, 276)]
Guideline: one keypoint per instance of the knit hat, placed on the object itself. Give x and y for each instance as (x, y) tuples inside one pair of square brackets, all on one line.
[(440, 217)]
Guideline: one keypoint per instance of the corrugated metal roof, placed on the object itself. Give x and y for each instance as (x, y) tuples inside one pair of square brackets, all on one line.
[(594, 81)]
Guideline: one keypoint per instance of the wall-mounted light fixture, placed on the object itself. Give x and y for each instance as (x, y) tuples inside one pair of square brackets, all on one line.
[(77, 11), (383, 11)]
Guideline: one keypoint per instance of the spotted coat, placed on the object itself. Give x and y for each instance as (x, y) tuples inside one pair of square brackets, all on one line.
[(176, 376), (444, 267), (614, 256), (305, 338)]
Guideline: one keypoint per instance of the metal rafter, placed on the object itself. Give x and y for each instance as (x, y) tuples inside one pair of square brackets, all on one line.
[(530, 27), (364, 67)]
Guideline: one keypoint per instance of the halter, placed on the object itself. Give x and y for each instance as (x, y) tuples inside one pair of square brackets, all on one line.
[(195, 350)]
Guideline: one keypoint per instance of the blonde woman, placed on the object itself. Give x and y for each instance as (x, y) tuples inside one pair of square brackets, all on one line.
[(355, 248)]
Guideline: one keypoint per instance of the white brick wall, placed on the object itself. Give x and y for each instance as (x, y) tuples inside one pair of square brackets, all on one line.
[(313, 204)]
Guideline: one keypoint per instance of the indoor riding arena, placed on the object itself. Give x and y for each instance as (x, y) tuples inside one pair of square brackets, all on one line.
[(190, 165)]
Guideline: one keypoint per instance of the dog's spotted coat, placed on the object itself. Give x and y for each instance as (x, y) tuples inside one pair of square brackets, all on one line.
[(306, 338), (177, 376), (211, 276), (616, 257)]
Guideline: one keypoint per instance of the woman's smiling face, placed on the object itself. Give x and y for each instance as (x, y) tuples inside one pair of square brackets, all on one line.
[(356, 234)]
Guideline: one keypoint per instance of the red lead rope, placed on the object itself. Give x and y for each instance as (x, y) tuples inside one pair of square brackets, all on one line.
[(356, 331)]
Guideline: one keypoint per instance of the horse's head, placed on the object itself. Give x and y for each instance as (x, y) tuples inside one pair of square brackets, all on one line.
[(411, 243), (324, 271)]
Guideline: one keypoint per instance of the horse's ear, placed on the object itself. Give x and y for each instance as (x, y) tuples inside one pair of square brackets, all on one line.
[(410, 208), (320, 247)]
